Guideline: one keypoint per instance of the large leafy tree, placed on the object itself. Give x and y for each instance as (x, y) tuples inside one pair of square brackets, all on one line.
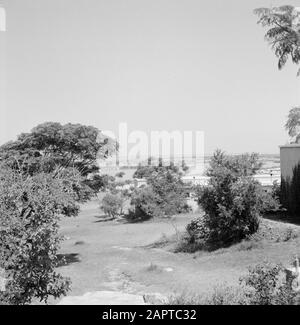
[(284, 37), (42, 176), (51, 147), (284, 31)]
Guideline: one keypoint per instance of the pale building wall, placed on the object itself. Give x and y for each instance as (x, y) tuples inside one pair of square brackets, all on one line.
[(289, 158)]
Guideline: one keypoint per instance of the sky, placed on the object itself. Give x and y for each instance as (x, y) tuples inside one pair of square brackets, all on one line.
[(154, 64)]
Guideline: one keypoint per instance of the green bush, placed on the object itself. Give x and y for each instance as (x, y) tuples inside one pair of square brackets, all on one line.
[(145, 205), (169, 190), (148, 170), (30, 209), (197, 231), (267, 285), (163, 196), (51, 147), (112, 204), (233, 200)]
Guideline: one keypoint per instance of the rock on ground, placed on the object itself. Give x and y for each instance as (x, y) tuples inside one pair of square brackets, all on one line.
[(103, 298)]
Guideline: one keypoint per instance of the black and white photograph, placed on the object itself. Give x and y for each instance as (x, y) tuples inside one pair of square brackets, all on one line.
[(149, 156)]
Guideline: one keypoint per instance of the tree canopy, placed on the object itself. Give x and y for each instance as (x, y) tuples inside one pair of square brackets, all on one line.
[(237, 166), (147, 171), (292, 124), (164, 195), (284, 32), (51, 147)]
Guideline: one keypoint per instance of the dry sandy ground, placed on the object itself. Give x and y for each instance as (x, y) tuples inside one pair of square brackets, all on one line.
[(111, 255)]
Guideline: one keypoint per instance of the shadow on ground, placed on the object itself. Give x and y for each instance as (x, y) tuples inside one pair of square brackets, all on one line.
[(283, 216), (103, 218), (66, 259)]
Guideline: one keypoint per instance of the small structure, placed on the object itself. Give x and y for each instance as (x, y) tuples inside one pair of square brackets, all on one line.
[(290, 171), (289, 159), (138, 182)]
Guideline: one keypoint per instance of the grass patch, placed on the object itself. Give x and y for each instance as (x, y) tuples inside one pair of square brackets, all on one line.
[(221, 294), (248, 245), (161, 242), (269, 232), (155, 241)]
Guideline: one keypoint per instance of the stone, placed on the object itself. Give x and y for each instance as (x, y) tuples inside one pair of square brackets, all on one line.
[(103, 298)]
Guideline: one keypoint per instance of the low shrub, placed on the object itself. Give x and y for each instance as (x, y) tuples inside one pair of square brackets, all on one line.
[(267, 285), (197, 230), (147, 204), (144, 205), (163, 196), (196, 236), (233, 201), (184, 246), (112, 204)]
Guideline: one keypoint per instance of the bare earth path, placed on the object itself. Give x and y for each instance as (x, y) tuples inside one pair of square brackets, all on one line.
[(113, 256)]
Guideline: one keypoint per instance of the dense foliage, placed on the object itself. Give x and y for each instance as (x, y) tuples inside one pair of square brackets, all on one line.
[(284, 32), (164, 194), (30, 209), (51, 147), (144, 204), (146, 171), (293, 123), (43, 175), (112, 204), (267, 285), (232, 201)]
